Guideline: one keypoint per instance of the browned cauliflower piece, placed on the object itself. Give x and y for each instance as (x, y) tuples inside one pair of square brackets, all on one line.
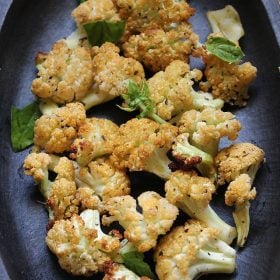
[(156, 48), (115, 271), (142, 146), (226, 81), (80, 245), (63, 200), (55, 133), (192, 194), (95, 138), (104, 179), (172, 92), (65, 75), (95, 10), (207, 127), (238, 159), (191, 250), (143, 229), (143, 14), (239, 193)]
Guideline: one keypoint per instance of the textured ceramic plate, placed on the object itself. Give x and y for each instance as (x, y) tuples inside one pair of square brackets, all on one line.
[(32, 26)]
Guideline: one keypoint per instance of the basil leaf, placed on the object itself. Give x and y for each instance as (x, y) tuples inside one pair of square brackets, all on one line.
[(22, 125), (81, 1), (134, 261), (99, 32), (224, 49)]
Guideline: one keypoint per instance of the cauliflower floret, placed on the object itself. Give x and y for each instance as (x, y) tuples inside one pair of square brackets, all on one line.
[(156, 48), (143, 14), (114, 271), (171, 91), (77, 244), (36, 165), (65, 75), (95, 10), (142, 146), (191, 250), (111, 74), (105, 180), (207, 127), (63, 200), (238, 159), (187, 156), (60, 199), (239, 193), (95, 138), (226, 81), (143, 229), (87, 199), (192, 194), (55, 133)]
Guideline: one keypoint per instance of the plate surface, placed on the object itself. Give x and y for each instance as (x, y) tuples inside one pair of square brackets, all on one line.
[(33, 26)]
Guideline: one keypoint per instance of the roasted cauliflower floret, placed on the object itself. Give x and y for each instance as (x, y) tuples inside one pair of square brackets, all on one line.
[(95, 138), (226, 81), (142, 146), (54, 133), (239, 193), (63, 200), (187, 156), (77, 245), (105, 180), (156, 48), (65, 75), (192, 194), (238, 159), (111, 74), (95, 10), (143, 229), (172, 92), (191, 250), (207, 127), (115, 271), (36, 165), (143, 14)]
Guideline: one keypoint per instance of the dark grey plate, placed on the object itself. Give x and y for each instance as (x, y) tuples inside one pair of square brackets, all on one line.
[(34, 25)]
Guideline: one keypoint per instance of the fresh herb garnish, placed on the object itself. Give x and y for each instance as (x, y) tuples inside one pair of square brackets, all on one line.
[(224, 49), (137, 98), (22, 125), (135, 262), (99, 32)]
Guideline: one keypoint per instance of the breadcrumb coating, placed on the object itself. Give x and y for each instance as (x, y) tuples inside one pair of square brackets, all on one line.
[(65, 75), (111, 71), (55, 133), (171, 89), (143, 229), (95, 138), (227, 81), (237, 159), (240, 191), (106, 180), (95, 10), (157, 47), (207, 127), (178, 251), (143, 14), (76, 247), (138, 141)]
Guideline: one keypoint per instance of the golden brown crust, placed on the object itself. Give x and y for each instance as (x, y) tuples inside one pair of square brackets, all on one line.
[(65, 75), (156, 48)]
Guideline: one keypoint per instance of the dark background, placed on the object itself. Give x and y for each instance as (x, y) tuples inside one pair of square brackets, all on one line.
[(33, 26)]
